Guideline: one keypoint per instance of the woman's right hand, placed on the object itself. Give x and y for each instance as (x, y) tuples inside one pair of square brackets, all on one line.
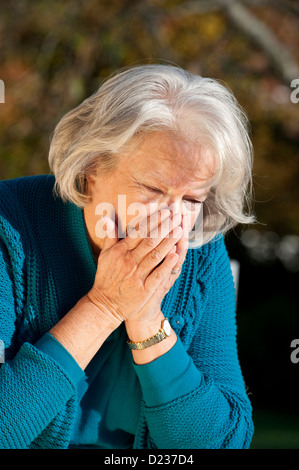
[(129, 271)]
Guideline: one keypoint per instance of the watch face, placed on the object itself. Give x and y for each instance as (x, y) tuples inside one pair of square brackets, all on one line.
[(166, 327)]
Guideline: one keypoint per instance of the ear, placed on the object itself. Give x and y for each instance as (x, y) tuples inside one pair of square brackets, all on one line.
[(91, 179)]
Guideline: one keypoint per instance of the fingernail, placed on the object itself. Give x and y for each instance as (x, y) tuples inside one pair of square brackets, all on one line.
[(177, 232), (165, 213)]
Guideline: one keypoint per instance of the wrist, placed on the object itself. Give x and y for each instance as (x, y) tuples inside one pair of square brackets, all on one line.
[(142, 329), (101, 311)]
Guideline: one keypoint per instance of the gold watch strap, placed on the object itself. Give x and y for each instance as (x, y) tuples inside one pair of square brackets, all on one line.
[(157, 338)]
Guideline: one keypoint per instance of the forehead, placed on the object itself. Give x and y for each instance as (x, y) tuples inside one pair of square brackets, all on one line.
[(171, 160)]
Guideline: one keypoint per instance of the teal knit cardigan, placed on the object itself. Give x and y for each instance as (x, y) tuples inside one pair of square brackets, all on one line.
[(44, 271)]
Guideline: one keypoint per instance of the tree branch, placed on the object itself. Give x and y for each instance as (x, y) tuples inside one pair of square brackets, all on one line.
[(251, 26), (259, 32)]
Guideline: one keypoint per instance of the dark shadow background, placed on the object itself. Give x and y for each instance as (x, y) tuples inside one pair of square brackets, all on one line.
[(55, 54)]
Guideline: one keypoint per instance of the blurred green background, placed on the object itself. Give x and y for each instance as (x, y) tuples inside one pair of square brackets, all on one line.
[(55, 54)]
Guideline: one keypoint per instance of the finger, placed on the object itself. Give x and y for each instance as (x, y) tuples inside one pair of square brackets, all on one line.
[(157, 235), (158, 254), (136, 235), (147, 226), (181, 249), (161, 273)]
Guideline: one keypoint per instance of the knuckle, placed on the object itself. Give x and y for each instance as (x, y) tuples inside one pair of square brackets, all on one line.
[(120, 249), (130, 263), (166, 287), (150, 242), (155, 255), (158, 275), (124, 258)]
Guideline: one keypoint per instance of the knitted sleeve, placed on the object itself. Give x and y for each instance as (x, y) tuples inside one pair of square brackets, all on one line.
[(216, 414), (37, 397)]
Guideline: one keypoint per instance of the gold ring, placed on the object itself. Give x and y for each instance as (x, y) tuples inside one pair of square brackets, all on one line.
[(176, 272)]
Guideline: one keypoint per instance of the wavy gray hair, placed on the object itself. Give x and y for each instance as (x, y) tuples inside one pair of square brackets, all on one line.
[(148, 98)]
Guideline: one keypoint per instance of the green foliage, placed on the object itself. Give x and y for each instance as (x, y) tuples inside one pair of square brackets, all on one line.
[(55, 54)]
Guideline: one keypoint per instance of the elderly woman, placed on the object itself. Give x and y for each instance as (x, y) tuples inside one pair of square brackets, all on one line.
[(117, 300)]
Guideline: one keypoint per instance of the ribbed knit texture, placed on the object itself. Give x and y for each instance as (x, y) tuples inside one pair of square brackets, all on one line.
[(46, 266)]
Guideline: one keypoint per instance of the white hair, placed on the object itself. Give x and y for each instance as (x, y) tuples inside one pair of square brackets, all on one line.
[(165, 98)]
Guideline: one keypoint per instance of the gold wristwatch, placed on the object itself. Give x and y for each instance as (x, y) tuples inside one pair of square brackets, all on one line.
[(163, 333)]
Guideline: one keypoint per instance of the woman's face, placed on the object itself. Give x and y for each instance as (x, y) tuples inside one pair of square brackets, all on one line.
[(161, 170)]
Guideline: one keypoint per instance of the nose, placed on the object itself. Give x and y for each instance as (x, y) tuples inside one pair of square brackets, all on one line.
[(175, 207)]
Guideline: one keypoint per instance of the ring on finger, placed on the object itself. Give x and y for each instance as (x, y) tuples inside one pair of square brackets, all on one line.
[(176, 271)]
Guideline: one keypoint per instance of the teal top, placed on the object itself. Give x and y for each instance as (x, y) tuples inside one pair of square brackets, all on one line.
[(102, 421), (191, 397)]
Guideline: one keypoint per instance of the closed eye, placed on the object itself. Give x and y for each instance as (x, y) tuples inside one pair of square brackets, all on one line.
[(159, 191), (155, 190), (194, 201)]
